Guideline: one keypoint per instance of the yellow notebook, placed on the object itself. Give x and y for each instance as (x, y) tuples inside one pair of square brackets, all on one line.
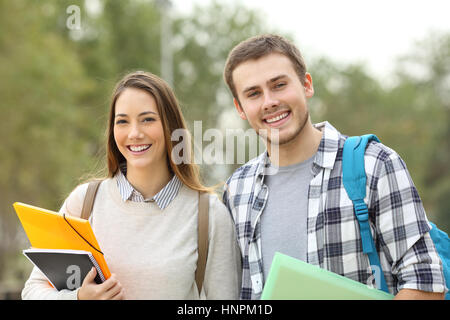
[(52, 230)]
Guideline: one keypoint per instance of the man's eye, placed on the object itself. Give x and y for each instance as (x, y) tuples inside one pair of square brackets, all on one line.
[(253, 94), (280, 85)]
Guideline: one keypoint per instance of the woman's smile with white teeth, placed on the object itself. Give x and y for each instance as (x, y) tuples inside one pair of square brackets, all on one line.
[(139, 148)]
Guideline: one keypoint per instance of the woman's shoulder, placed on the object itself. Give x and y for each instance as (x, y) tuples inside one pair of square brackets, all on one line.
[(215, 203), (74, 202), (217, 210)]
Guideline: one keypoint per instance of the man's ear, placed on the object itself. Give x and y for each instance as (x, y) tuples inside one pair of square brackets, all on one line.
[(309, 88), (239, 109)]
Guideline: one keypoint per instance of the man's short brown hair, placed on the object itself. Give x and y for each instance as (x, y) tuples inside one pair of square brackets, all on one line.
[(258, 47)]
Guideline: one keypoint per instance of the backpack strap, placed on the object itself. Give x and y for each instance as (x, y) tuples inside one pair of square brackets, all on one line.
[(203, 241), (354, 180), (89, 199)]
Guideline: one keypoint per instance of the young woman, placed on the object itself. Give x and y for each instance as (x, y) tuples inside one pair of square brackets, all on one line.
[(145, 213)]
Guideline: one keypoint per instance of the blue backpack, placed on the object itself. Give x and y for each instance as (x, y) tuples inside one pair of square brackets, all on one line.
[(354, 180)]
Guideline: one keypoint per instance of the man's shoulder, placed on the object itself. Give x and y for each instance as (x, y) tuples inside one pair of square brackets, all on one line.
[(244, 175), (374, 149), (379, 150), (377, 156), (249, 169)]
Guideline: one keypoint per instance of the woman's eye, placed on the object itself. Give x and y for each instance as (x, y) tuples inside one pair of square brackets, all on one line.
[(149, 119), (121, 121)]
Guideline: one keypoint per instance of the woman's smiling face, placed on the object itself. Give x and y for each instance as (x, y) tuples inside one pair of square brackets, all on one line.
[(138, 130)]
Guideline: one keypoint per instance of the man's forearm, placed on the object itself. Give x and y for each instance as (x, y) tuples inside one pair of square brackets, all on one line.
[(410, 294)]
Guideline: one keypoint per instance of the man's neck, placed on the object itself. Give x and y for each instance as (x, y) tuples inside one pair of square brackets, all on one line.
[(299, 149)]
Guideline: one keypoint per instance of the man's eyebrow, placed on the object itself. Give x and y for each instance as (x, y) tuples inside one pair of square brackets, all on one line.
[(249, 89), (281, 76), (140, 114)]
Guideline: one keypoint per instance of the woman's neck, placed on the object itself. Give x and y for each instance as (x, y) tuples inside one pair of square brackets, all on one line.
[(149, 181)]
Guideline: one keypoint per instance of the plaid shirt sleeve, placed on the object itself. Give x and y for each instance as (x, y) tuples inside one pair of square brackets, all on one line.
[(401, 227)]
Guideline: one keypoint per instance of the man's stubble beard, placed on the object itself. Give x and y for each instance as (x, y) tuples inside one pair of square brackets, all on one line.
[(288, 139)]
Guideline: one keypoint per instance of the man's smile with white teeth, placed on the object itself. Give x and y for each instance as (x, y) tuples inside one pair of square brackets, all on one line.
[(139, 148), (277, 118)]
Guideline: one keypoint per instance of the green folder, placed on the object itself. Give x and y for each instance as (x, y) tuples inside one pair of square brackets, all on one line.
[(293, 279)]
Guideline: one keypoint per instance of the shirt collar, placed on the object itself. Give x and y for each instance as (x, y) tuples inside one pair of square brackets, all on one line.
[(325, 156), (163, 198), (328, 146)]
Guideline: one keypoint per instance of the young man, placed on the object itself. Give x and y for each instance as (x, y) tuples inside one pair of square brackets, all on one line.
[(303, 209)]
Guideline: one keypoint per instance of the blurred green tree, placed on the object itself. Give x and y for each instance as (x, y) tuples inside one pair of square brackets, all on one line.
[(425, 73), (42, 89)]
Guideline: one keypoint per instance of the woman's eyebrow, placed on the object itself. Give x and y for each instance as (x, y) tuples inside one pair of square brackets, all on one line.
[(147, 112), (140, 114)]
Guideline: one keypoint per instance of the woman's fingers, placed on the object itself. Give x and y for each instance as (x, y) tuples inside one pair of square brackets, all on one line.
[(111, 288), (109, 283), (90, 276)]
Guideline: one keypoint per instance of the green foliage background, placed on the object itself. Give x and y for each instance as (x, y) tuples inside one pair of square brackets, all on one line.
[(55, 85)]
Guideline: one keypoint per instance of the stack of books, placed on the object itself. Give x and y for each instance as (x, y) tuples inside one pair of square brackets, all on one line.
[(63, 248)]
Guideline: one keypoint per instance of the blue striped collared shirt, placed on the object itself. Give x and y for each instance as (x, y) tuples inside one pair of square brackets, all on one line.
[(163, 198)]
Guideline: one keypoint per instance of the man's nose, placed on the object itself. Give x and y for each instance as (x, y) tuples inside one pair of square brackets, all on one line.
[(270, 101)]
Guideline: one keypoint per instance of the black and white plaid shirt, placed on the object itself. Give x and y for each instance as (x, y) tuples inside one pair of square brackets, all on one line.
[(398, 220)]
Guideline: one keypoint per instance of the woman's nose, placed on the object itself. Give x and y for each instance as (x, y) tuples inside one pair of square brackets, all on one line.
[(135, 132)]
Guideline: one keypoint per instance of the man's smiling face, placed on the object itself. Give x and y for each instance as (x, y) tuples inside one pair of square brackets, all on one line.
[(272, 97)]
